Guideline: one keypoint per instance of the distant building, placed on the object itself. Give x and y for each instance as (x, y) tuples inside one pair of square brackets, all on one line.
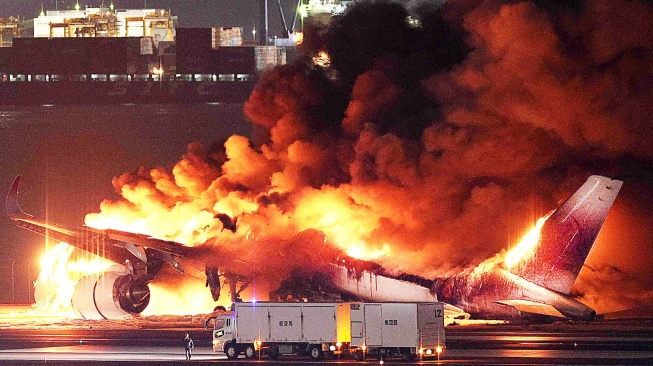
[(226, 37), (106, 22), (326, 7), (9, 29)]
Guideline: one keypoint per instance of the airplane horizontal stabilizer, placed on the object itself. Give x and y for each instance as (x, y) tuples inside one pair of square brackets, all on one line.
[(531, 307), (454, 312)]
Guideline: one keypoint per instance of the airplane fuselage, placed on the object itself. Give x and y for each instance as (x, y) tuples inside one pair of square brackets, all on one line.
[(538, 286), (478, 294)]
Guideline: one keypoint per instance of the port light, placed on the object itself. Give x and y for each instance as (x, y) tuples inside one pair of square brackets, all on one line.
[(298, 37), (421, 351)]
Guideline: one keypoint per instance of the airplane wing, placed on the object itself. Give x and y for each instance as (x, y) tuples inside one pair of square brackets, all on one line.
[(95, 240), (532, 307), (117, 293)]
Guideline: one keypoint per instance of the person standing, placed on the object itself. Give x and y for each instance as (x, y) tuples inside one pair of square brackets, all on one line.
[(188, 343)]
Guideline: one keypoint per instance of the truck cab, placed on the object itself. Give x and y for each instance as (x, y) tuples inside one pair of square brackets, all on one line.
[(224, 338), (223, 331)]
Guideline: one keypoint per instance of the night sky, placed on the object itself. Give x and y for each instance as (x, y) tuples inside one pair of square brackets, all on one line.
[(441, 143)]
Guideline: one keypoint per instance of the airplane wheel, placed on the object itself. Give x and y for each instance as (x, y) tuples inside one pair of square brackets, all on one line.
[(250, 352), (231, 352)]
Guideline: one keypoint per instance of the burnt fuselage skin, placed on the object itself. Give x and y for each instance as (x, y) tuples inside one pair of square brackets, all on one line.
[(478, 295)]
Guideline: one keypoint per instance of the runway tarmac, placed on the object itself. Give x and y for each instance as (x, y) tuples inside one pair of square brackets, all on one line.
[(597, 343), (73, 355)]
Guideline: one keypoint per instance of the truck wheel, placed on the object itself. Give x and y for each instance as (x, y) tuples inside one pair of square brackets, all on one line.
[(231, 352), (358, 355), (250, 352), (407, 356), (315, 352)]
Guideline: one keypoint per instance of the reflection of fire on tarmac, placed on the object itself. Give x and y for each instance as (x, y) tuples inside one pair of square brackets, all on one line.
[(25, 317)]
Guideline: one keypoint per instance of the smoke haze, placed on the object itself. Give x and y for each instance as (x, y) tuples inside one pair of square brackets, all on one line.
[(435, 139)]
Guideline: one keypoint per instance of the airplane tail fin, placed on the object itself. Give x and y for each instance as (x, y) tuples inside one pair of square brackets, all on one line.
[(568, 235), (11, 203)]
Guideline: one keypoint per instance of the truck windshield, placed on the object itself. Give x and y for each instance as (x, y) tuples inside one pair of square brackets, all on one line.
[(219, 323)]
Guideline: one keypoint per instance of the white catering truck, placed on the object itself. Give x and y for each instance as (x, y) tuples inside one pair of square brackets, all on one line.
[(326, 329)]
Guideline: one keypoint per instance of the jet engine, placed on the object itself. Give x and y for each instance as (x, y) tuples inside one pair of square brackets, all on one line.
[(114, 294)]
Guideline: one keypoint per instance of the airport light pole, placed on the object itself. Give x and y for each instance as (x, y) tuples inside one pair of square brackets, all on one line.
[(13, 283)]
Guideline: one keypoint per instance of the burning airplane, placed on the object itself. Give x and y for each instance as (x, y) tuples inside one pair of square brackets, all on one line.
[(420, 150), (532, 281), (536, 282)]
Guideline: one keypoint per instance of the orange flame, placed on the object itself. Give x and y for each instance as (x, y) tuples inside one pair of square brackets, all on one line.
[(55, 284), (188, 299), (527, 245), (60, 272), (344, 224), (360, 251)]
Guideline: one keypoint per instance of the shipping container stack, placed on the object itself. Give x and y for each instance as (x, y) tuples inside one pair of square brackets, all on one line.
[(226, 37)]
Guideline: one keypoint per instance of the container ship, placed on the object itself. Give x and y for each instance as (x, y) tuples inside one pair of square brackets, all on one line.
[(102, 55)]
